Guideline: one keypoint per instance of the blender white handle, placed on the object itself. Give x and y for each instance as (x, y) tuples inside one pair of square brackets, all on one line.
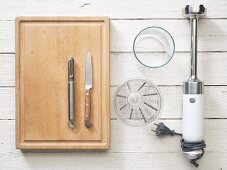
[(192, 126)]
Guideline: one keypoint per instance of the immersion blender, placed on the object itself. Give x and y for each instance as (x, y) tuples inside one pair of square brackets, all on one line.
[(193, 90)]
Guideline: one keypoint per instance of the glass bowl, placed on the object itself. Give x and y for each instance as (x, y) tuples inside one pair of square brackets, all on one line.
[(153, 47)]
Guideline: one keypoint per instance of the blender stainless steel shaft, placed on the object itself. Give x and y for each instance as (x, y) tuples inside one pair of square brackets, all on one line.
[(193, 88)]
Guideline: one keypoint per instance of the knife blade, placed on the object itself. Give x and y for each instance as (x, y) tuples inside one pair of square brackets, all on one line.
[(88, 86)]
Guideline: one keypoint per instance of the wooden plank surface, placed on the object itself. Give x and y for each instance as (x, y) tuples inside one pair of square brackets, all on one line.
[(127, 19), (106, 160), (124, 66), (149, 152), (210, 30), (215, 102), (120, 10), (122, 137)]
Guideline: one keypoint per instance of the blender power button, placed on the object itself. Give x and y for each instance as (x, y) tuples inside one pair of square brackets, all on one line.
[(192, 100)]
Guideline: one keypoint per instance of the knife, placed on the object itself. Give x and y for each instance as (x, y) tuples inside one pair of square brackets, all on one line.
[(88, 86)]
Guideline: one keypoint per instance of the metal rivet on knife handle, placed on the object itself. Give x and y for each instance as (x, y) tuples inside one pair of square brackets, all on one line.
[(71, 122)]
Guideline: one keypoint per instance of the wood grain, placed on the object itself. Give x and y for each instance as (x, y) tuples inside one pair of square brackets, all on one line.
[(44, 44)]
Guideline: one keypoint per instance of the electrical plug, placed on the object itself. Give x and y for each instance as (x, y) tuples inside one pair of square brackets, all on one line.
[(163, 130)]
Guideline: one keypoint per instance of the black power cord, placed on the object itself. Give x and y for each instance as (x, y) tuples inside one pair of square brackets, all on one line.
[(163, 130)]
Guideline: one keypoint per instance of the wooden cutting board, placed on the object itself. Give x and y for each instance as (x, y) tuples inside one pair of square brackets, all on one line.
[(43, 47)]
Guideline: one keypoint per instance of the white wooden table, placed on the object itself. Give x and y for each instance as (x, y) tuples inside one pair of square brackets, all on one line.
[(131, 148)]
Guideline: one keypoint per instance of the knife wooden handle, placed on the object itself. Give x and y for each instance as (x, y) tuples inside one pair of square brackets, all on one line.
[(87, 109)]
